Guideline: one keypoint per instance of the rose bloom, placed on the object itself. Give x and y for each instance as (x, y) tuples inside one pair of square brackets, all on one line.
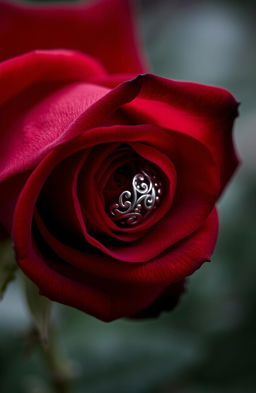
[(108, 175)]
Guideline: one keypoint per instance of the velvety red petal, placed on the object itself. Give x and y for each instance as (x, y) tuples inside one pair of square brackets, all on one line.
[(171, 266), (167, 301), (58, 199), (100, 297), (206, 113), (43, 110), (42, 66), (103, 299), (103, 29), (56, 117)]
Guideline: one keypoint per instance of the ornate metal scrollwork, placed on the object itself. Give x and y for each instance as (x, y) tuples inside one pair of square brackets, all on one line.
[(135, 205)]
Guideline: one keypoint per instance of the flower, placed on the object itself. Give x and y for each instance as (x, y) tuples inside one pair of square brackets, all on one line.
[(108, 176)]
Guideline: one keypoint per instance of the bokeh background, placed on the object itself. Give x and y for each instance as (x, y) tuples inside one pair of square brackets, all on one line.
[(208, 344)]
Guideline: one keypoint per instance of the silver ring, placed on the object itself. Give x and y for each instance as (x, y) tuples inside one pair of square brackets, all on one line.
[(136, 204)]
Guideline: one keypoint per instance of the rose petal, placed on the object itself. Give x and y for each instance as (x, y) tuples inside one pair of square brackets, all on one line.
[(171, 266), (35, 131), (42, 66), (74, 109), (58, 199), (167, 301), (204, 112), (89, 28)]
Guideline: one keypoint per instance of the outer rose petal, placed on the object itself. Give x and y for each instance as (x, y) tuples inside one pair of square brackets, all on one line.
[(47, 69), (204, 112), (167, 301), (103, 29), (170, 266), (43, 125), (39, 66), (25, 81)]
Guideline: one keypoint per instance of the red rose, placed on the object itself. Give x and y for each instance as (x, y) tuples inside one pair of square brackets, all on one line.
[(77, 133)]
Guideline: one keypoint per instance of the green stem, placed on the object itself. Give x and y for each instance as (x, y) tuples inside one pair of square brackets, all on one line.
[(58, 368)]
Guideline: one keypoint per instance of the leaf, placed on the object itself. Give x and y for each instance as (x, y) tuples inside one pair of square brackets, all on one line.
[(8, 265), (39, 308)]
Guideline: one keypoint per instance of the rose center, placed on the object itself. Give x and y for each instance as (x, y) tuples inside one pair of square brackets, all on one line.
[(139, 195)]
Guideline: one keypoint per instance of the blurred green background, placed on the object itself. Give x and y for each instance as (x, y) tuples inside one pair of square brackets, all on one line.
[(208, 344)]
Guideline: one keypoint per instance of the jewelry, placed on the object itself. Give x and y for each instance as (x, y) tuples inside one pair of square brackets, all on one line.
[(135, 205)]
